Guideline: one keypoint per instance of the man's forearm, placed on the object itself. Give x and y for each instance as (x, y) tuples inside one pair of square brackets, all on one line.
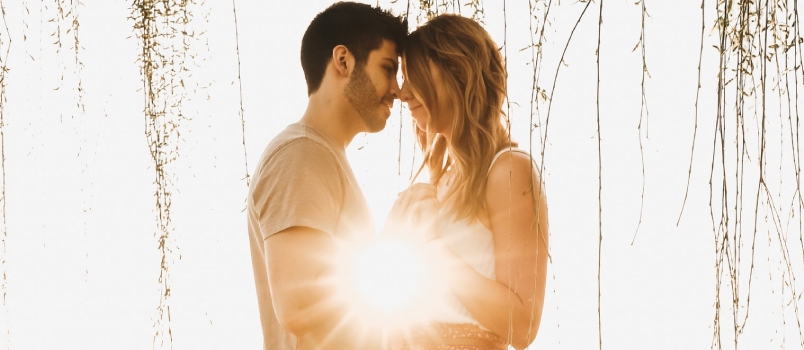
[(310, 297), (315, 304), (324, 319)]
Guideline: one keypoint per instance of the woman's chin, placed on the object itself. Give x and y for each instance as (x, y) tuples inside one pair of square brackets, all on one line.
[(421, 124)]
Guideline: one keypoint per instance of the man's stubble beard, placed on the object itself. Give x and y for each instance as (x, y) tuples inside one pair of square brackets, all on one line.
[(360, 92)]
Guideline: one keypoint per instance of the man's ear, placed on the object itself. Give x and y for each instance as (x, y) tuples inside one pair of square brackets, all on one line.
[(342, 59)]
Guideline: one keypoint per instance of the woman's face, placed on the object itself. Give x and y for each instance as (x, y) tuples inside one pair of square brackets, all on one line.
[(421, 113)]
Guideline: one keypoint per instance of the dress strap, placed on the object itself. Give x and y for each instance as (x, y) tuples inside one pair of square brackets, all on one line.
[(507, 149)]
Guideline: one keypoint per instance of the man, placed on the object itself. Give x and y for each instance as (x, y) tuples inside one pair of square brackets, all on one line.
[(304, 199)]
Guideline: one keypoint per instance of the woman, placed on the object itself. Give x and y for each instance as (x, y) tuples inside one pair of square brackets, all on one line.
[(490, 237)]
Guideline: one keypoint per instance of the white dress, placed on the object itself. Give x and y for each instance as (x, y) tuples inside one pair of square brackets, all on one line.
[(472, 241)]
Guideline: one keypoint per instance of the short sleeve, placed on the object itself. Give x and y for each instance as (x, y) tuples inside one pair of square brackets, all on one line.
[(299, 185)]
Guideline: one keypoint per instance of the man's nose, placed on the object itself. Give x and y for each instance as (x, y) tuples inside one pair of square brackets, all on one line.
[(395, 91)]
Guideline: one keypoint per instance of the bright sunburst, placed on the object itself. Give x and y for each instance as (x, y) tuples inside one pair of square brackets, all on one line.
[(382, 280), (388, 273)]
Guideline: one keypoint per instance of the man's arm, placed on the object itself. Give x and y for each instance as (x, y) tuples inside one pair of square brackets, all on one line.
[(298, 272), (297, 199), (302, 273)]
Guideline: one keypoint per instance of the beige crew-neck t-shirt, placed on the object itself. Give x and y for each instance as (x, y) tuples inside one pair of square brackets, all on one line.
[(302, 179)]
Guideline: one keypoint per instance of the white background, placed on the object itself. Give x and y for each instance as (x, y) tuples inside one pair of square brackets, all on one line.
[(81, 254)]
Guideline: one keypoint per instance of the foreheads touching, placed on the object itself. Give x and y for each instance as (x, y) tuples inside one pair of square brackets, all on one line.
[(359, 27)]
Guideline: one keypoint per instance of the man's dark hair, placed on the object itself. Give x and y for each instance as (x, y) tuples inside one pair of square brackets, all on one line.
[(359, 27)]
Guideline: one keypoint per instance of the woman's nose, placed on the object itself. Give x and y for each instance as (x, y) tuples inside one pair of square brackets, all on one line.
[(404, 92)]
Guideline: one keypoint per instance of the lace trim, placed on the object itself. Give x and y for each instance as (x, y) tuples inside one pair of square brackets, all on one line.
[(448, 336)]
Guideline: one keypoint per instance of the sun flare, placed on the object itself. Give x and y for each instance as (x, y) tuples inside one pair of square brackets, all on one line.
[(383, 279), (388, 274)]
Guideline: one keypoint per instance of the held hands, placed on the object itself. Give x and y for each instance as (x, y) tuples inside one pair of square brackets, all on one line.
[(414, 215)]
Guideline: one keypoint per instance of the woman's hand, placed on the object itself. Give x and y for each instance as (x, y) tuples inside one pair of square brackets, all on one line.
[(414, 214)]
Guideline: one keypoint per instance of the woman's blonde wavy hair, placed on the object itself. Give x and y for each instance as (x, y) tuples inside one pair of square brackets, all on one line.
[(474, 79)]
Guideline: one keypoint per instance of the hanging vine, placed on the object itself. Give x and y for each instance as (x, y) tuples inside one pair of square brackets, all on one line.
[(599, 180), (697, 109), (478, 11), (427, 9), (643, 110), (79, 66), (538, 94), (62, 14), (754, 36), (561, 63), (161, 29), (240, 90), (5, 48), (67, 25)]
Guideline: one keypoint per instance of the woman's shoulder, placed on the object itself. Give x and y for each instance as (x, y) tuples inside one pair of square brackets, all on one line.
[(511, 158), (512, 167), (513, 177)]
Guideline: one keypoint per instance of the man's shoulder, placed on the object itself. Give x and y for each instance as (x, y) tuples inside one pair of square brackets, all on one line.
[(296, 152), (297, 141)]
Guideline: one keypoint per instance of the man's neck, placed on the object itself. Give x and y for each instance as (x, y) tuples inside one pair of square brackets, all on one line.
[(332, 119)]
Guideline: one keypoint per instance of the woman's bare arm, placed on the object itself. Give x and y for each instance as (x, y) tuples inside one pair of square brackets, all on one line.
[(511, 305)]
